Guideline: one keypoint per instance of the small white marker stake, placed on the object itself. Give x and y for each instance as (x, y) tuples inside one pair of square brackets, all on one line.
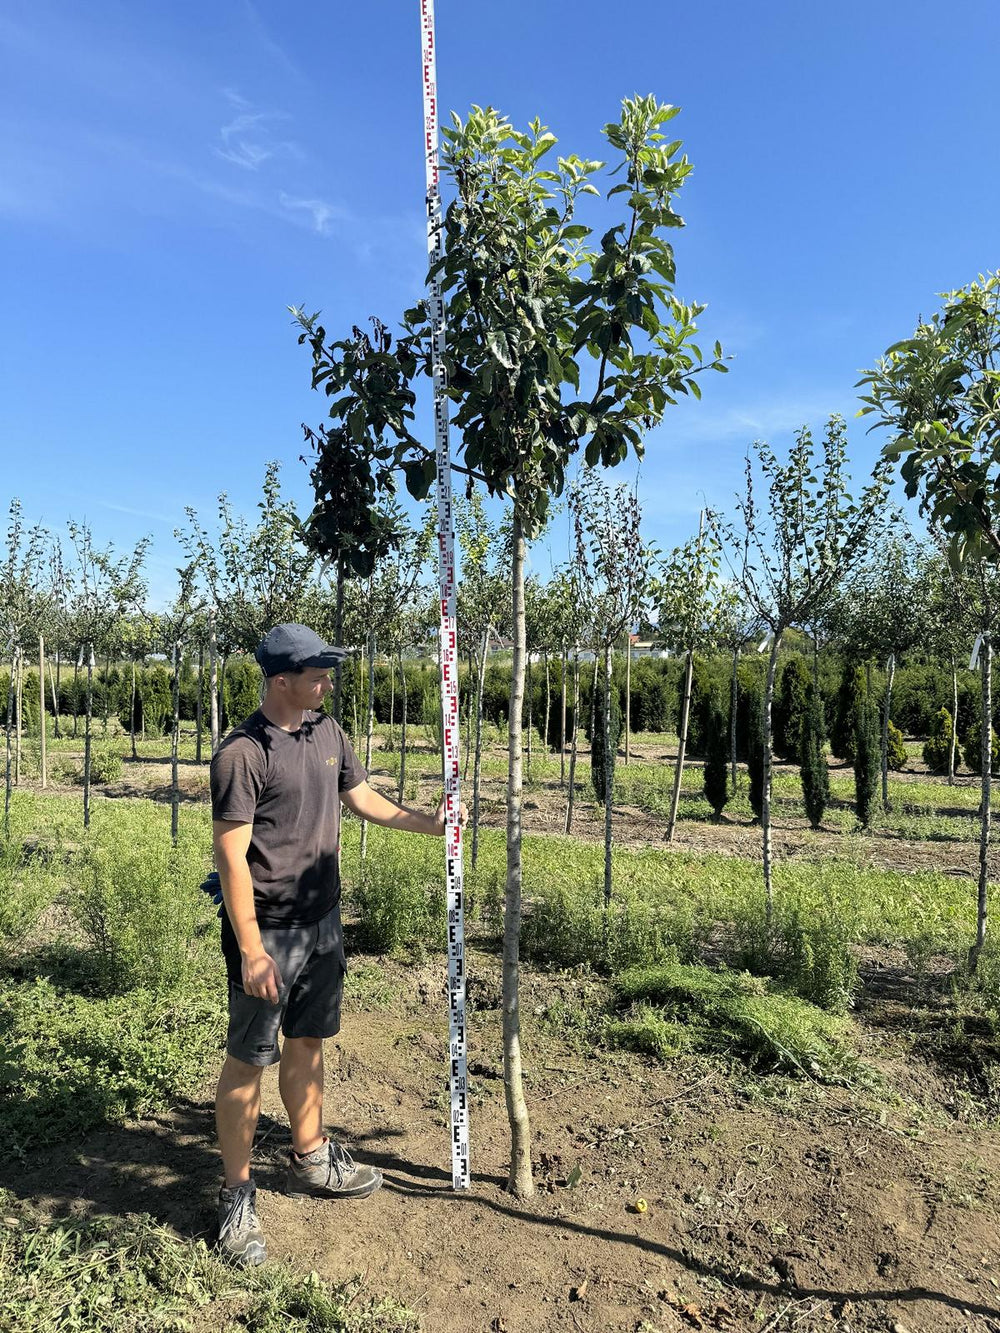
[(449, 638)]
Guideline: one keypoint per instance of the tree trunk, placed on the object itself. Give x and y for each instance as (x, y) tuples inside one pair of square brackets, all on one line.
[(402, 727), (131, 713), (548, 702), (199, 708), (593, 701), (392, 700), (608, 779), (358, 686), (528, 687), (213, 683), (8, 772), (338, 638), (56, 729), (86, 735), (225, 721), (573, 741), (175, 735), (369, 728), (107, 690), (468, 714), (20, 715), (54, 687), (985, 813), (890, 676), (520, 1181), (733, 704), (76, 679), (42, 736), (675, 799), (628, 695), (953, 744), (562, 723), (478, 763), (765, 813)]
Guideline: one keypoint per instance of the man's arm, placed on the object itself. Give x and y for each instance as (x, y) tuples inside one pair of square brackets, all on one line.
[(373, 806), (231, 842)]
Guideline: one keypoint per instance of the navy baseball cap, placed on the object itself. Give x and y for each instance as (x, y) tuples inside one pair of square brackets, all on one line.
[(294, 647)]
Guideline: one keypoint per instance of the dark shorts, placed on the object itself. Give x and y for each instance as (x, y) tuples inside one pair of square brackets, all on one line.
[(312, 966)]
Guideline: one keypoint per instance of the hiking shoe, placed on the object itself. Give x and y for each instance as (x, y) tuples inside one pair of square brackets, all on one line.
[(241, 1240), (330, 1172)]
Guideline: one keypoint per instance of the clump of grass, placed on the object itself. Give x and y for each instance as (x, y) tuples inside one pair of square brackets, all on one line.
[(132, 1275), (808, 951), (650, 1032), (69, 1062), (733, 1012)]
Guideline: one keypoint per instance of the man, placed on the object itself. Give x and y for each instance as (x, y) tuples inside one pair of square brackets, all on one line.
[(277, 783)]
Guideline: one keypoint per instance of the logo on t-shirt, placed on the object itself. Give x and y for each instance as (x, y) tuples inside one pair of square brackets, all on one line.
[(333, 761)]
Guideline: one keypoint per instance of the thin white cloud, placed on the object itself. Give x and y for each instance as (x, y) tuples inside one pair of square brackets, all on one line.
[(248, 139), (320, 211)]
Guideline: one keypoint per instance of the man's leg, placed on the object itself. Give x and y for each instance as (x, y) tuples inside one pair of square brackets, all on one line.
[(237, 1108), (300, 1083)]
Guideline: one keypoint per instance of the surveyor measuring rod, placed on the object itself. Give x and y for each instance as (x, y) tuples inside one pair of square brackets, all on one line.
[(449, 642)]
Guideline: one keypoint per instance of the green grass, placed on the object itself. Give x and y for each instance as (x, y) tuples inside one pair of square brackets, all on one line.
[(130, 1275), (71, 1061), (676, 1006)]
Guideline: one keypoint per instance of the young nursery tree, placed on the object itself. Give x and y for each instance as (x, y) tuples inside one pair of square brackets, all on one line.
[(106, 586), (483, 613), (881, 615), (23, 598), (686, 591), (252, 577), (792, 554), (938, 392), (615, 563), (735, 627), (529, 299), (171, 629)]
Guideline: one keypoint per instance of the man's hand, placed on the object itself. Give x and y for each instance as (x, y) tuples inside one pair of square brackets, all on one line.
[(439, 815), (261, 977)]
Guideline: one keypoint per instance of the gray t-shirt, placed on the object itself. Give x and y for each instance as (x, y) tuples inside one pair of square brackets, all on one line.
[(287, 784)]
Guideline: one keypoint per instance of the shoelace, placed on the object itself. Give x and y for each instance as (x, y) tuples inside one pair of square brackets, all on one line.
[(340, 1161), (242, 1209)]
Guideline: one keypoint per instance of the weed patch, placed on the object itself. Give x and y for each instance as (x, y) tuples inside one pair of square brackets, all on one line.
[(131, 1275), (69, 1062)]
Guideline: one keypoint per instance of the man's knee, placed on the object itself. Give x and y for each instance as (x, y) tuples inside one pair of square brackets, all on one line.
[(304, 1046), (237, 1073)]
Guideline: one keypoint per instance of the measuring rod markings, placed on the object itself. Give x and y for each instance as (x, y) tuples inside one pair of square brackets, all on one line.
[(449, 639)]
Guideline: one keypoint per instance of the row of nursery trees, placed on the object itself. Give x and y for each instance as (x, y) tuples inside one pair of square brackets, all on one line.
[(567, 345)]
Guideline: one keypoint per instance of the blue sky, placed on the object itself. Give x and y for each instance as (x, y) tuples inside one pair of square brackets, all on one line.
[(173, 176)]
